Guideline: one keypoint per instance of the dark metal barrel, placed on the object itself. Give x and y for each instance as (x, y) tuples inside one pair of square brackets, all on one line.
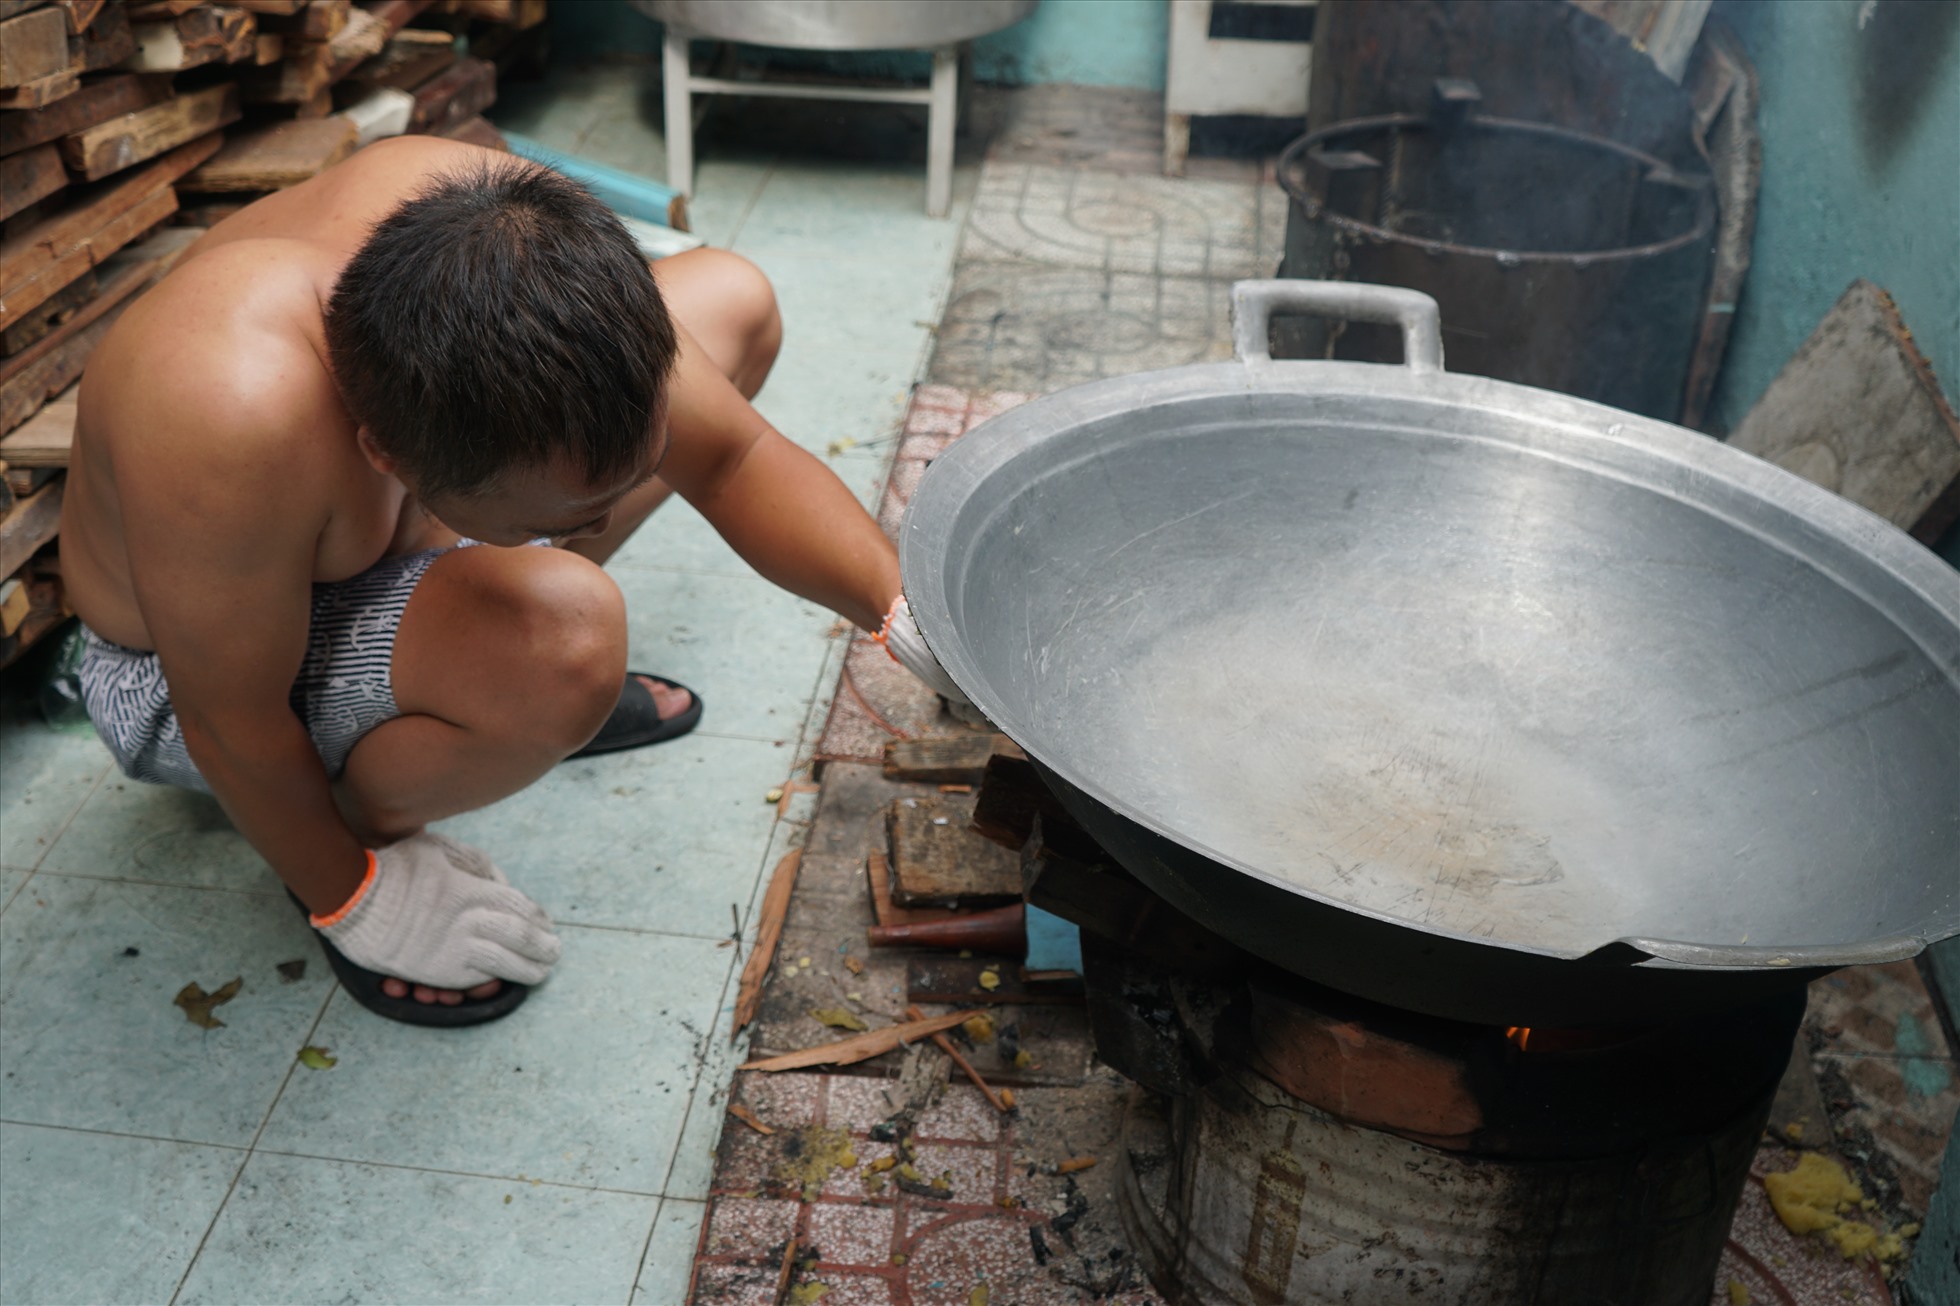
[(1561, 259)]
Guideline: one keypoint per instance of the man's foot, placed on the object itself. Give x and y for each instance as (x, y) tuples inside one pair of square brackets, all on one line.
[(396, 988), (651, 710)]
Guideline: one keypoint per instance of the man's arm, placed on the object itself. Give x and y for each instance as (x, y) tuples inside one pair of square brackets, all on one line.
[(787, 514), (222, 566)]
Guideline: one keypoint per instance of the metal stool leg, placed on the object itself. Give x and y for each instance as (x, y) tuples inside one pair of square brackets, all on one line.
[(943, 116), (679, 110)]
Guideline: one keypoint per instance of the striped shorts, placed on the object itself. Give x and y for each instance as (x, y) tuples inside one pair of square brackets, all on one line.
[(345, 686)]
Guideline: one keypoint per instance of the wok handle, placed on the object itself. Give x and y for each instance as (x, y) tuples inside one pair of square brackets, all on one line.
[(1253, 304)]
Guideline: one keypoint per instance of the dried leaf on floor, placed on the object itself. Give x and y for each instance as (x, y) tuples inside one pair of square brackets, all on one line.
[(989, 980), (317, 1059), (980, 1029), (839, 1018), (291, 972), (197, 1003), (853, 965), (804, 1294)]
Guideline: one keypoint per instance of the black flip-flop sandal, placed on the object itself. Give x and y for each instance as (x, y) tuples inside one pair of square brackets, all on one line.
[(635, 721), (364, 986)]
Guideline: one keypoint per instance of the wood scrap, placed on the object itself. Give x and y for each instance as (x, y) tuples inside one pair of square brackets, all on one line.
[(463, 90), (877, 879), (148, 10), (80, 13), (47, 609), (769, 933), (860, 1047), (33, 47), (945, 1045), (272, 158), (46, 438), (937, 861), (267, 48), (750, 1119), (107, 41), (1012, 797), (272, 8), (47, 317), (93, 103), (39, 262), (410, 58), (945, 759), (219, 34), (30, 177), (319, 21), (42, 92), (1858, 411), (131, 138), (361, 39), (30, 523), (14, 605)]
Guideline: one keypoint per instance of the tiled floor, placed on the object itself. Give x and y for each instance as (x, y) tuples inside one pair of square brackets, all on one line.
[(562, 1155)]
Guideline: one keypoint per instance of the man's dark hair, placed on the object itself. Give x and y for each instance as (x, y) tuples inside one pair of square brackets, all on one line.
[(498, 318)]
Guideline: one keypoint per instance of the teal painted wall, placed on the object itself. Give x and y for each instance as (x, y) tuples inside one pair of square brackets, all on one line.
[(1861, 177), (1087, 42)]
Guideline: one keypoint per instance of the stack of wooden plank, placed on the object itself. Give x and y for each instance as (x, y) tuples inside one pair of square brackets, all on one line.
[(128, 126)]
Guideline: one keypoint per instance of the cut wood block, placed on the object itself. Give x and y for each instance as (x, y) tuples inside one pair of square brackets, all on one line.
[(93, 103), (362, 38), (318, 107), (937, 861), (464, 90), (277, 8), (45, 318), (43, 92), (949, 759), (30, 177), (46, 438), (29, 524), (1013, 798), (111, 146), (515, 13), (190, 40), (409, 59), (272, 158), (104, 43), (14, 604), (33, 47), (147, 10), (38, 262), (23, 481), (268, 48), (55, 362), (303, 72), (1858, 411), (318, 21), (479, 131)]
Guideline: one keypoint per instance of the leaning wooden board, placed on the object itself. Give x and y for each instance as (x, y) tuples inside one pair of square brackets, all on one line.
[(1858, 411)]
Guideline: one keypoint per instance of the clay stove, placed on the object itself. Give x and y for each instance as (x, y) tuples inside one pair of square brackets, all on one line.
[(1293, 1144)]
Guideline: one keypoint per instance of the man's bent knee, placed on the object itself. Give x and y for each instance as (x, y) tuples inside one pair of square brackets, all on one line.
[(539, 633)]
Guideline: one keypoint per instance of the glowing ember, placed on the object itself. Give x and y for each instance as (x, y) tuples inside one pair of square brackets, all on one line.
[(1520, 1035)]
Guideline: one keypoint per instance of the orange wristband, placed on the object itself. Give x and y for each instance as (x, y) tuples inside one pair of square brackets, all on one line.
[(360, 892)]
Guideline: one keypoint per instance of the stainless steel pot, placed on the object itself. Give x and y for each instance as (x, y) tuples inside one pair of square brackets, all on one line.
[(1453, 693), (840, 24)]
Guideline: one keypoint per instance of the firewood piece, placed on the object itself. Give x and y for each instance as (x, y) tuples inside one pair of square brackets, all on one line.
[(937, 861), (90, 105), (361, 39), (1858, 411), (111, 146), (945, 1045), (1012, 795), (106, 42), (29, 524), (478, 131), (47, 256), (878, 881), (151, 10), (201, 36), (302, 72), (937, 978), (45, 318), (276, 8), (465, 89), (1001, 929), (861, 1047), (53, 363), (272, 158), (80, 13), (47, 438), (267, 48), (319, 21), (41, 93), (409, 59), (33, 47), (947, 759), (769, 932), (30, 177)]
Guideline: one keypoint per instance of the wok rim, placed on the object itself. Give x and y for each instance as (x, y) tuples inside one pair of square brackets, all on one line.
[(1880, 549)]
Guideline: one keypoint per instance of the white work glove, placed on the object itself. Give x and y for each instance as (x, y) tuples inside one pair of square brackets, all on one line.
[(437, 912), (901, 638)]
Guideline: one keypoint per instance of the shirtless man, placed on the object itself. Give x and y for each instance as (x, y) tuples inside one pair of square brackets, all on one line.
[(287, 448)]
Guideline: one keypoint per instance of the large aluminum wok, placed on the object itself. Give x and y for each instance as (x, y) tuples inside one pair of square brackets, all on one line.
[(1452, 693)]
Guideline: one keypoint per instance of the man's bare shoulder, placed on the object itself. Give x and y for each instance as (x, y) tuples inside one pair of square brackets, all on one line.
[(228, 347)]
